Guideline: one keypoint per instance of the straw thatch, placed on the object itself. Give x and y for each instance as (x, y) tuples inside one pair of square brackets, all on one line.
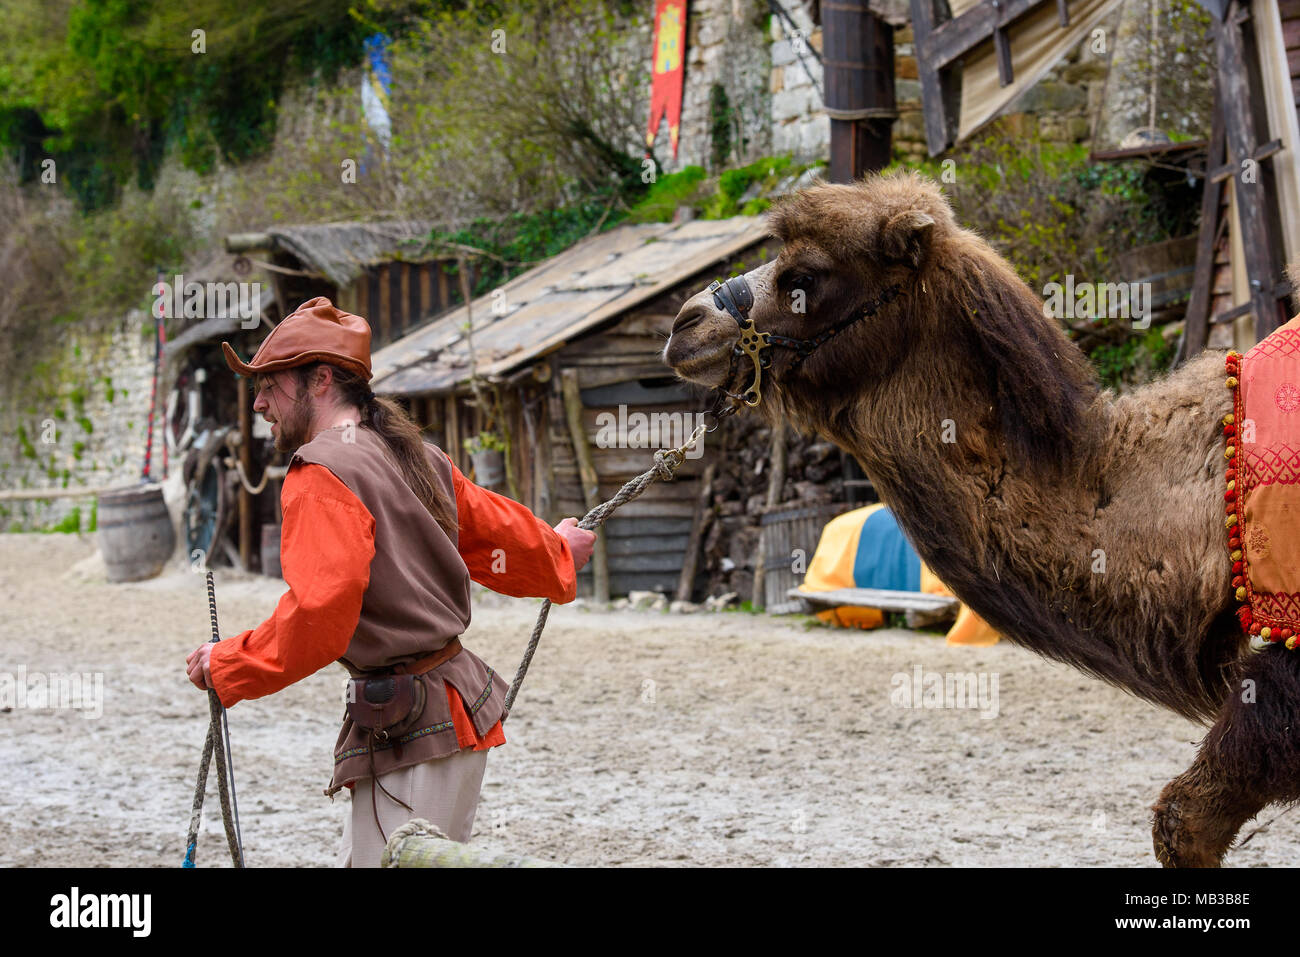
[(341, 251)]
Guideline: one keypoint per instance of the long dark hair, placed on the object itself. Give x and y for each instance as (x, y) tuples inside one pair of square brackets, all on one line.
[(389, 421)]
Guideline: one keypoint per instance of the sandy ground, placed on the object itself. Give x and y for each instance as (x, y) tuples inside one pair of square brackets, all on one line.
[(639, 738)]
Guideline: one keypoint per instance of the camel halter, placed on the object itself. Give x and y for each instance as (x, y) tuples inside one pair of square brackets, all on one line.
[(737, 298)]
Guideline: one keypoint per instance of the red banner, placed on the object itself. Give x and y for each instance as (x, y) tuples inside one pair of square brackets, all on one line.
[(669, 69)]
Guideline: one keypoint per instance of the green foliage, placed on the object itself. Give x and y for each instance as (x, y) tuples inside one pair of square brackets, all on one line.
[(1051, 212), (516, 242), (720, 121), (733, 183), (71, 523), (539, 115), (485, 442), (666, 194), (104, 86), (25, 442), (1133, 359)]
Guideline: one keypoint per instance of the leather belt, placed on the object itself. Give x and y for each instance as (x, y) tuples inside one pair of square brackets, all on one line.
[(418, 667)]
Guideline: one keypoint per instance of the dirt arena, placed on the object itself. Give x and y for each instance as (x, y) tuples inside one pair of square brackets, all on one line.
[(640, 738)]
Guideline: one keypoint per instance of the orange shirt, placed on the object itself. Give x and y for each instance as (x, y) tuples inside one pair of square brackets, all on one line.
[(327, 544)]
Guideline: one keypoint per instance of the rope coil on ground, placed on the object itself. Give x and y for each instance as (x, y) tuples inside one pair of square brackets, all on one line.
[(667, 462), (417, 843)]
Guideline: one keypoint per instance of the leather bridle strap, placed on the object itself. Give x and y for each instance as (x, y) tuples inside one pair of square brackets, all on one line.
[(737, 299)]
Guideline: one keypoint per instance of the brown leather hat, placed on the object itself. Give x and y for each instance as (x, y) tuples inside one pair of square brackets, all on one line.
[(314, 332)]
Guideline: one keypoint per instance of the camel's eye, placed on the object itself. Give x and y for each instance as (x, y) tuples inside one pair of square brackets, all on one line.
[(799, 280)]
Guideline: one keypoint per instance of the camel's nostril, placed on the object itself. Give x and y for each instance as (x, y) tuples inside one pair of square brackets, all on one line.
[(687, 318)]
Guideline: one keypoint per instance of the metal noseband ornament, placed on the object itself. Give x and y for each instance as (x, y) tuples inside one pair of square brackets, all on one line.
[(737, 298)]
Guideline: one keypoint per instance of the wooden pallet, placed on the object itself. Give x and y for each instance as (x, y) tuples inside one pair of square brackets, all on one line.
[(882, 598)]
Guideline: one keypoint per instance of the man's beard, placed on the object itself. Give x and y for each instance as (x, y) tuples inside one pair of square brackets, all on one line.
[(293, 429)]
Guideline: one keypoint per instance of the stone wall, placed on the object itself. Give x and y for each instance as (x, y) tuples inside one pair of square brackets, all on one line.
[(739, 45), (78, 417)]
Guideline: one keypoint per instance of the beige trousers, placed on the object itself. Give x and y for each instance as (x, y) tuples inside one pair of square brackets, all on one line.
[(444, 791)]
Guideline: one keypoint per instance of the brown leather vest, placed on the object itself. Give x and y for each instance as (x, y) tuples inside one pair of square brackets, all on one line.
[(417, 600)]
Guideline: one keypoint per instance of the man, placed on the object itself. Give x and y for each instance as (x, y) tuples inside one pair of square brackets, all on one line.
[(381, 536)]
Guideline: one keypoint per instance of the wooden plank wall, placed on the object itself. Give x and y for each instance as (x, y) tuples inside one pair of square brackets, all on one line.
[(1289, 12), (397, 297), (646, 538)]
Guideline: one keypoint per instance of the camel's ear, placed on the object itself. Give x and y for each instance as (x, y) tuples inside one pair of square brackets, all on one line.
[(906, 237)]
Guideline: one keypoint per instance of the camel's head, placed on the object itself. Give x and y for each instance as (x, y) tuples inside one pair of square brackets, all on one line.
[(843, 247), (961, 328)]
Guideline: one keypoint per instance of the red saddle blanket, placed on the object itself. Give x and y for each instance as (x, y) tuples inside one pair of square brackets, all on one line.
[(1263, 484)]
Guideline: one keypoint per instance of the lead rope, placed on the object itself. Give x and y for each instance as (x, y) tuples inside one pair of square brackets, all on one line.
[(218, 743), (667, 462)]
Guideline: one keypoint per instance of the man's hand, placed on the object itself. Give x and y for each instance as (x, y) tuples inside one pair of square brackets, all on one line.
[(581, 541), (197, 665)]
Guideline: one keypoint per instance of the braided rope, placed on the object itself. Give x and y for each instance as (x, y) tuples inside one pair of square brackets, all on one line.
[(416, 827), (667, 462), (215, 745)]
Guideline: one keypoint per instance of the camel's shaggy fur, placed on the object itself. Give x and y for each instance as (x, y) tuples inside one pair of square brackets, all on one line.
[(1086, 527)]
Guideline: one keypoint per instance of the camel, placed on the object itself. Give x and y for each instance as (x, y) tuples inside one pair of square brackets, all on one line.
[(1086, 527)]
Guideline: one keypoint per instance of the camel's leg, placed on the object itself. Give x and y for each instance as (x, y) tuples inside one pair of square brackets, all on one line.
[(1250, 758)]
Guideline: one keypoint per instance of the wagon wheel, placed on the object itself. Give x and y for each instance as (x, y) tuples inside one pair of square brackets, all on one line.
[(203, 509)]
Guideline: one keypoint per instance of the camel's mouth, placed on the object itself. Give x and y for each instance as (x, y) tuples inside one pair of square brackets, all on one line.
[(700, 346), (706, 363)]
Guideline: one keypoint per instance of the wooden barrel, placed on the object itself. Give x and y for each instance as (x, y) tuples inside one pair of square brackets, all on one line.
[(271, 551), (858, 61), (135, 533)]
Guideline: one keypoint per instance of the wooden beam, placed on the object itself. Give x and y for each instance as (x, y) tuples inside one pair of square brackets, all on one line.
[(882, 598), (587, 474), (959, 36), (699, 526), (1002, 47), (933, 102), (775, 482), (1239, 88), (1196, 326), (246, 461)]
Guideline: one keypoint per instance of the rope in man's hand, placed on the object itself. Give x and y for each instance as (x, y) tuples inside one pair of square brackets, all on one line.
[(667, 462)]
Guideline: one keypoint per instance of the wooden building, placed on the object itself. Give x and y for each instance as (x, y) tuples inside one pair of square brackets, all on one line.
[(382, 271), (565, 364)]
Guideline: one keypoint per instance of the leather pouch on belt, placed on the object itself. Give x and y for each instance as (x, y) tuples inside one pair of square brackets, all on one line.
[(386, 705)]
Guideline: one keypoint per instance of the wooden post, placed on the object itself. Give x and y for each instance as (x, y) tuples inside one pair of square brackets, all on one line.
[(1196, 325), (1242, 103), (245, 460), (775, 481), (859, 61), (451, 428), (699, 525), (587, 475)]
